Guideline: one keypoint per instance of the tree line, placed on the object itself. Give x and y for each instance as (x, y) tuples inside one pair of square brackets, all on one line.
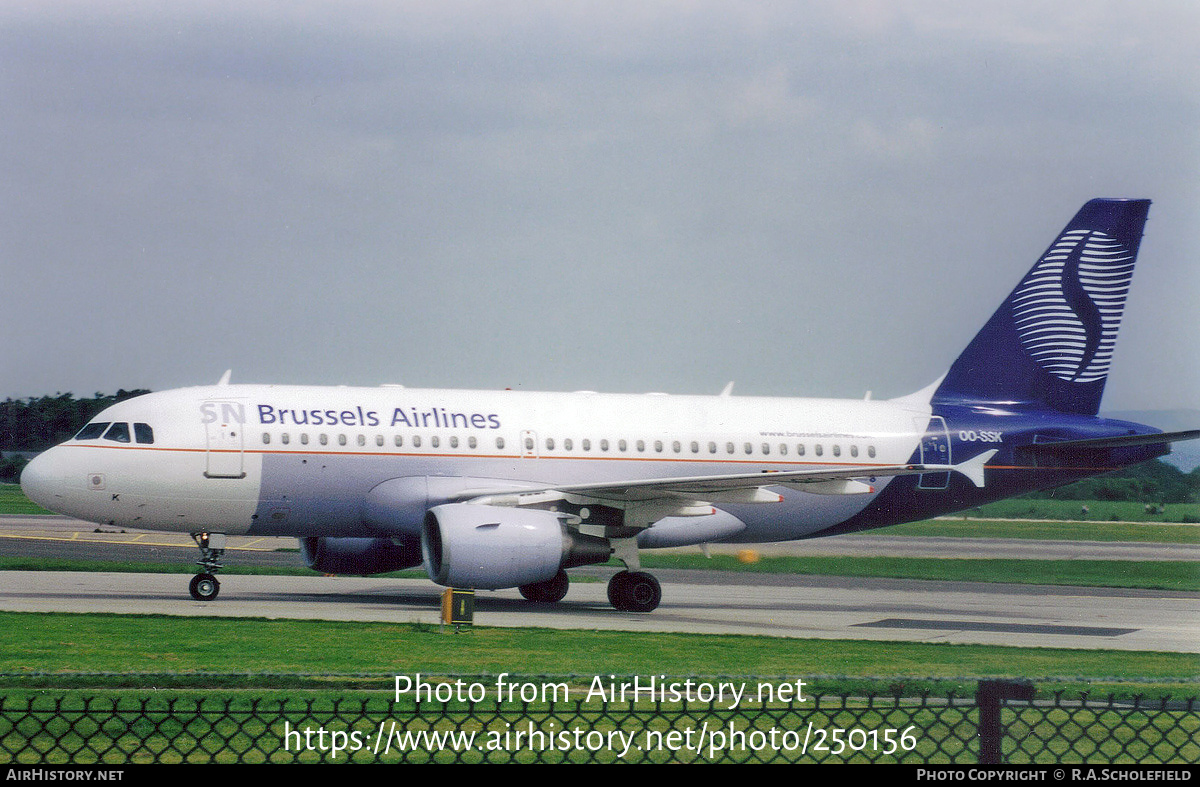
[(36, 423)]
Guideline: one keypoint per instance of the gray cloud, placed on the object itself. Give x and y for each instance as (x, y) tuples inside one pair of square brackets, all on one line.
[(812, 199)]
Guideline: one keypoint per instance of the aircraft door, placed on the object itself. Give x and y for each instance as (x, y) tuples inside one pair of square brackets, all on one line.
[(935, 450), (225, 441)]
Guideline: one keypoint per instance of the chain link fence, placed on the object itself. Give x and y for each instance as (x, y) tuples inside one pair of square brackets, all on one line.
[(1002, 722)]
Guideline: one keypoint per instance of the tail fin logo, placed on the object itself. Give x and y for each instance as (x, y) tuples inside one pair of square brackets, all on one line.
[(1068, 309)]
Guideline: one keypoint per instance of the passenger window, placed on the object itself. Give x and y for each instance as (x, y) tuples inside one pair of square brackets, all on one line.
[(783, 449), (500, 442), (568, 444), (800, 449), (695, 447), (143, 433), (675, 446), (712, 448), (379, 440), (362, 439), (729, 448), (435, 441), (118, 433), (766, 449), (837, 450), (398, 440), (820, 450), (284, 438), (528, 443), (323, 439), (304, 438), (854, 450), (658, 446), (416, 441), (871, 451), (266, 438), (471, 442), (749, 448), (586, 444), (549, 443), (341, 439), (454, 442), (641, 446), (603, 445), (621, 445)]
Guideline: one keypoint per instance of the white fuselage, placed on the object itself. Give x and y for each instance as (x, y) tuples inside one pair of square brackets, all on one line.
[(293, 460)]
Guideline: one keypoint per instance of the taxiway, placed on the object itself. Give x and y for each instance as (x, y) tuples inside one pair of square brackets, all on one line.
[(693, 601)]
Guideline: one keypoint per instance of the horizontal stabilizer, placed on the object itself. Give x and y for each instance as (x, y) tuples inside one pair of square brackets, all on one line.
[(1120, 441)]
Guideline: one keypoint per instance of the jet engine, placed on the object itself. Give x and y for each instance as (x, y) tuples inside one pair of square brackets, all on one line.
[(359, 556), (480, 546)]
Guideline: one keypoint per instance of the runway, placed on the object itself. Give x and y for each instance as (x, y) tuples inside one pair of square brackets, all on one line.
[(693, 601)]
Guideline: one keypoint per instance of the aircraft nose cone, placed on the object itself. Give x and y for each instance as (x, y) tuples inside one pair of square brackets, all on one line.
[(38, 481)]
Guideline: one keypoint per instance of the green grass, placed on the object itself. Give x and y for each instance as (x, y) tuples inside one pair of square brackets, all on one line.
[(117, 688), (1098, 510), (42, 648), (954, 527), (13, 501), (1161, 575)]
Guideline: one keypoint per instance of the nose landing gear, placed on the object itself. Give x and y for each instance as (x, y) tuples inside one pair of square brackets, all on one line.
[(204, 586)]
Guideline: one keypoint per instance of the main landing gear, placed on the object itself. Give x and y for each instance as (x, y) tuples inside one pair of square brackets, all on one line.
[(551, 591), (634, 591), (204, 586), (628, 591)]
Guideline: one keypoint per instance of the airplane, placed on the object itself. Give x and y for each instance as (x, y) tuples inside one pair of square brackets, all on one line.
[(503, 489)]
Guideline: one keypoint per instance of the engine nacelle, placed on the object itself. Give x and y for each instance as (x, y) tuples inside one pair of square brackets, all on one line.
[(398, 505), (359, 556), (478, 546)]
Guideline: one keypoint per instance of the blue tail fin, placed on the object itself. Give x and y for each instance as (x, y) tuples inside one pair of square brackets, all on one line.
[(1050, 344)]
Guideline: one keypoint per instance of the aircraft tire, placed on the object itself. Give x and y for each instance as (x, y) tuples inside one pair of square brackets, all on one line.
[(551, 591), (204, 587), (634, 591)]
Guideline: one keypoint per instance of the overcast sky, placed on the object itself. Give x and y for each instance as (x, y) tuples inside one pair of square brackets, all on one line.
[(812, 199)]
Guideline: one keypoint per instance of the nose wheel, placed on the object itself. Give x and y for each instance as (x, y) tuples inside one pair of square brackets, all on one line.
[(204, 586)]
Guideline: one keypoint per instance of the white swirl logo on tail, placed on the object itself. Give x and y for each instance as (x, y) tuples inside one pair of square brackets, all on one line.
[(1068, 309)]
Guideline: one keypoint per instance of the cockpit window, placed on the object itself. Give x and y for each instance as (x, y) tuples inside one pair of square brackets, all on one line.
[(143, 433), (118, 433), (92, 430)]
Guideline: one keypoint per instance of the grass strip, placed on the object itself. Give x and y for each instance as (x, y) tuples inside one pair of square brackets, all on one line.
[(1148, 532), (1096, 510), (1150, 575), (13, 501), (1157, 575), (38, 646)]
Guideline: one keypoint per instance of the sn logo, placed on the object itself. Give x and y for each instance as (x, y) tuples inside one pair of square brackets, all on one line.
[(231, 413)]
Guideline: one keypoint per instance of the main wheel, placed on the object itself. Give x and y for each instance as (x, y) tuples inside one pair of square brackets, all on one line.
[(204, 587), (551, 591), (634, 591)]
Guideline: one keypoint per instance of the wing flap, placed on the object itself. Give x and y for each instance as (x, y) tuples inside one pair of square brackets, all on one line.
[(739, 487)]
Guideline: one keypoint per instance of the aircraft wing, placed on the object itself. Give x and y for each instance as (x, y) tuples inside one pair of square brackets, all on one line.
[(705, 486), (730, 488)]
